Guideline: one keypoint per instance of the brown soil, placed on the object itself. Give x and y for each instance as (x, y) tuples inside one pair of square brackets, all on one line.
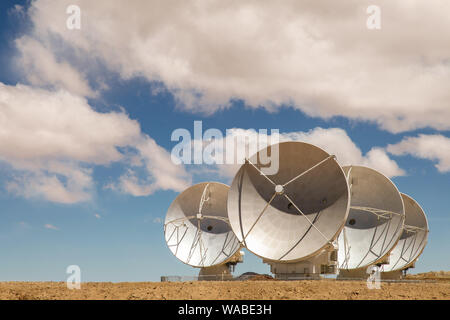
[(433, 275), (260, 277), (228, 290)]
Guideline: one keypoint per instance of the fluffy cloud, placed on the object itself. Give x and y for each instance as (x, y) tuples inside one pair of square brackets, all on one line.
[(432, 147), (52, 140), (319, 59), (41, 68), (334, 141), (56, 182)]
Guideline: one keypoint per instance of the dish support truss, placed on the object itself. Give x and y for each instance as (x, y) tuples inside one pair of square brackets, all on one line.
[(280, 191), (410, 248), (376, 238), (180, 230), (323, 263)]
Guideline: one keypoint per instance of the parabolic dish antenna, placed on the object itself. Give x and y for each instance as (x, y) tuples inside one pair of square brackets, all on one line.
[(294, 213), (413, 239), (196, 228), (375, 220)]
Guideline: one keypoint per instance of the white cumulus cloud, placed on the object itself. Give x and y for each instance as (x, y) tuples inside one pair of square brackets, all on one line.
[(41, 68), (53, 139), (316, 56), (434, 147), (333, 140), (336, 141)]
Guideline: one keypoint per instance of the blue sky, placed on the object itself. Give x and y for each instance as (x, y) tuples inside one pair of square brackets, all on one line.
[(113, 233)]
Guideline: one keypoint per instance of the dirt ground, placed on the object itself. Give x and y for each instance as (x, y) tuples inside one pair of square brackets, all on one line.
[(228, 290), (433, 275)]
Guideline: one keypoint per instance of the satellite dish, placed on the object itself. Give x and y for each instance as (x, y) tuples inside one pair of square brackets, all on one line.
[(295, 213), (375, 220), (197, 229), (413, 238)]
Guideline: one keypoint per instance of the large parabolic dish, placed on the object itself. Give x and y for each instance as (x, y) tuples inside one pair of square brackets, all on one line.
[(413, 239), (196, 228), (375, 220), (293, 214)]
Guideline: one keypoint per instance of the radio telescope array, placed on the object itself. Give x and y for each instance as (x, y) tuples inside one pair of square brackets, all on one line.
[(311, 217)]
